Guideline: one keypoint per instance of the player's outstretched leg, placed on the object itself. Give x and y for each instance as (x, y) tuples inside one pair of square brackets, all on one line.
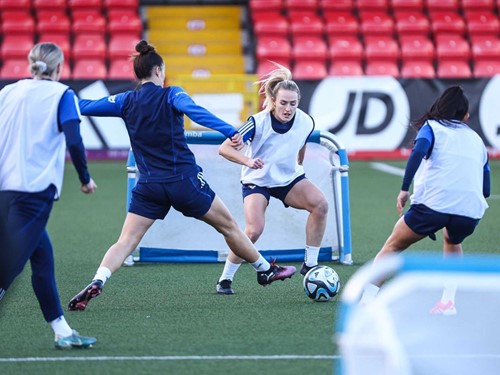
[(79, 302), (275, 273)]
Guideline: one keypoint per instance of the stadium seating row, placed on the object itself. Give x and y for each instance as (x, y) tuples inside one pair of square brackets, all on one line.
[(411, 38), (314, 70), (382, 5), (94, 35)]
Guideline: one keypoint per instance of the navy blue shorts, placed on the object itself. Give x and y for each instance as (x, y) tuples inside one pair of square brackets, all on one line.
[(276, 192), (422, 220), (191, 196)]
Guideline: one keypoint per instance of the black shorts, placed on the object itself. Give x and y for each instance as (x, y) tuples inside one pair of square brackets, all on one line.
[(191, 196), (276, 192), (425, 221)]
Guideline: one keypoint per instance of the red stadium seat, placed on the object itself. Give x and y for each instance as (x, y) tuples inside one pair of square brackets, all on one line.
[(88, 21), (309, 48), (453, 69), (381, 48), (412, 22), (89, 46), (271, 26), (345, 48), (309, 70), (417, 69), (486, 68), (66, 71), (479, 5), (89, 69), (452, 47), (121, 46), (124, 21), (57, 5), (121, 4), (306, 24), (378, 5), (447, 23), (341, 23), (16, 5), (16, 47), (265, 6), (121, 69), (52, 21), (265, 66), (307, 5), (273, 47), (62, 40), (482, 22), (15, 69), (408, 5), (93, 5), (382, 68), (416, 47), (17, 22), (442, 5), (485, 48), (345, 68), (335, 5), (376, 23)]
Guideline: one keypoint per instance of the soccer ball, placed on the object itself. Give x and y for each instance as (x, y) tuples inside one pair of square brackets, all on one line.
[(321, 283)]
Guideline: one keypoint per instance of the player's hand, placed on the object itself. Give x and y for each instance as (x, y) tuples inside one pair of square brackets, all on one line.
[(401, 201), (88, 188), (237, 141), (255, 163)]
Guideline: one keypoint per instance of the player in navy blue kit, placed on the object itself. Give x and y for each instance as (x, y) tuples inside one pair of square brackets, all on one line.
[(39, 120), (272, 167), (168, 173), (449, 163)]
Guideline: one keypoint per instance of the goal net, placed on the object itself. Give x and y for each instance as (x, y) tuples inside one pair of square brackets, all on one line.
[(181, 239), (397, 334)]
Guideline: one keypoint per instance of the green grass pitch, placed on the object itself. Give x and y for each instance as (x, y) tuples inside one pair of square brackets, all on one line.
[(167, 318)]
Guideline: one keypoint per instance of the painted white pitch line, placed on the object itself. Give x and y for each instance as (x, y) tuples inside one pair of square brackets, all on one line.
[(231, 357), (388, 168), (169, 358)]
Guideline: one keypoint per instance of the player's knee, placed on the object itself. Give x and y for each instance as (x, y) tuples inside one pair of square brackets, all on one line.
[(254, 233), (321, 208)]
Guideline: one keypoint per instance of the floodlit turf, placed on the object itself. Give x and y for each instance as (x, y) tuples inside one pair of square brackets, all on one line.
[(167, 318)]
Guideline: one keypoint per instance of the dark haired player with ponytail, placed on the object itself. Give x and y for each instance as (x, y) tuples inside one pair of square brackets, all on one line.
[(168, 173), (452, 179)]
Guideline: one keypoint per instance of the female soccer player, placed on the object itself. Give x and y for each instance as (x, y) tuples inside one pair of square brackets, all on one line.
[(40, 118), (449, 163), (272, 167), (168, 173)]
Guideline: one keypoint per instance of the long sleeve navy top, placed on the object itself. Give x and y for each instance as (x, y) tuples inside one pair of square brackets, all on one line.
[(154, 117)]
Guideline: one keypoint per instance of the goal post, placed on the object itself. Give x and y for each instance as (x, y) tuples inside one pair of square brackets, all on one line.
[(181, 239), (398, 334)]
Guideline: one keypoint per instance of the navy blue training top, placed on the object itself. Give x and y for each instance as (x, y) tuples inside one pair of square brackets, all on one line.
[(154, 117)]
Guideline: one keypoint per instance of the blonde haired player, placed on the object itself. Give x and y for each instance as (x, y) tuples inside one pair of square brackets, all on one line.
[(272, 167)]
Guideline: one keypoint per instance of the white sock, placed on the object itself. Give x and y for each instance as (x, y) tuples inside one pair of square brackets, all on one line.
[(449, 292), (261, 264), (311, 256), (370, 291), (103, 274), (61, 327), (229, 270)]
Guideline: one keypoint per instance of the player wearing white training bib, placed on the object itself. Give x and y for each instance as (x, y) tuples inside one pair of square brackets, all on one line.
[(40, 120), (278, 149), (272, 167), (452, 179)]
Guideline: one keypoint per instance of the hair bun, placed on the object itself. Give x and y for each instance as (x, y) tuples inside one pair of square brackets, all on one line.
[(143, 47)]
